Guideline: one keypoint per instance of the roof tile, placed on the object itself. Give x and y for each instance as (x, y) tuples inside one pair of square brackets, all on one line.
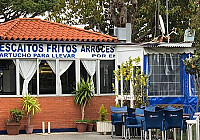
[(37, 29)]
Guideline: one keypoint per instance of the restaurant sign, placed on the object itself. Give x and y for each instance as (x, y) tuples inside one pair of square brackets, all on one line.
[(23, 50)]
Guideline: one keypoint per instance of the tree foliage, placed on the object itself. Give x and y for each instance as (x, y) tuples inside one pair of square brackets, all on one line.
[(12, 9), (138, 81), (101, 15), (192, 67), (195, 23)]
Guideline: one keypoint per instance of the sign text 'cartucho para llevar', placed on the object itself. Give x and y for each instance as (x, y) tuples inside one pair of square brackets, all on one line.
[(23, 50)]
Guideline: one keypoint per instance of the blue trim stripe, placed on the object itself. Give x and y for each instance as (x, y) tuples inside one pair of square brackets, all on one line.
[(4, 132)]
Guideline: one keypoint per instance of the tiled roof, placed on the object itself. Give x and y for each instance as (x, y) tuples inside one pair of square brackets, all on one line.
[(43, 30)]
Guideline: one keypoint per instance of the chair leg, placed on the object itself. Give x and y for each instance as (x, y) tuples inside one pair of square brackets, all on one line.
[(181, 134), (134, 131), (112, 132), (126, 133), (149, 134), (146, 134), (190, 131), (197, 128), (187, 132), (122, 131), (129, 134), (163, 135), (141, 134), (174, 133)]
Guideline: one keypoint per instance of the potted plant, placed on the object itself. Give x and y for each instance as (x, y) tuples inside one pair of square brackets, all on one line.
[(84, 93), (138, 83), (13, 123), (90, 126), (103, 126), (30, 106), (94, 122)]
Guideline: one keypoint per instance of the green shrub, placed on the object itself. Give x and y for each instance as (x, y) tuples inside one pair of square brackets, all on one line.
[(103, 113), (15, 115)]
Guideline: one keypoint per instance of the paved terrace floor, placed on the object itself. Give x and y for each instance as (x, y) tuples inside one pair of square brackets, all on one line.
[(60, 136)]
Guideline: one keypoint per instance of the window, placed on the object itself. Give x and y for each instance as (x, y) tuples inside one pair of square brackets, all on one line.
[(68, 80), (106, 76), (7, 77), (194, 87), (164, 72), (47, 79), (85, 75), (32, 85)]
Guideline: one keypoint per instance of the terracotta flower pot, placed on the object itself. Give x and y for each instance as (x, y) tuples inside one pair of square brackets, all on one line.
[(81, 126), (29, 129), (13, 128), (90, 127), (95, 127)]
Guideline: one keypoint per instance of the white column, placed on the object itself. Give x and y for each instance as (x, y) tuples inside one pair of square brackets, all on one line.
[(57, 78), (98, 76), (77, 68), (38, 78), (17, 78), (116, 83), (122, 86)]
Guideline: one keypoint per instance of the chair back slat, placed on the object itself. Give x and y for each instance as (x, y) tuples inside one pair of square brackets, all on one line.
[(118, 109), (131, 112), (150, 108), (170, 108)]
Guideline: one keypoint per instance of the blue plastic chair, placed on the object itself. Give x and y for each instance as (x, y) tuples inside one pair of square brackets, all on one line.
[(134, 122), (116, 119), (174, 119), (116, 116), (154, 120)]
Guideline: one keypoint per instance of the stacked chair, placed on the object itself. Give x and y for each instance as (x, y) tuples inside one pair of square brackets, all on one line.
[(156, 118), (135, 122), (174, 119), (117, 117)]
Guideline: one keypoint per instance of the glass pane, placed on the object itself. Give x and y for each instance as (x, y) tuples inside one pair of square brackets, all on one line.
[(85, 75), (47, 79), (32, 86), (107, 77), (7, 77), (165, 75), (68, 80)]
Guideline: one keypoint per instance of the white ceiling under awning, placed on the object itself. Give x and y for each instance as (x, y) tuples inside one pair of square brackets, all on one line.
[(123, 56), (156, 50)]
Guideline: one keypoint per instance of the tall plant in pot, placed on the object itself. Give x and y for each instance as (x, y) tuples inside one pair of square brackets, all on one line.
[(30, 106), (84, 93)]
